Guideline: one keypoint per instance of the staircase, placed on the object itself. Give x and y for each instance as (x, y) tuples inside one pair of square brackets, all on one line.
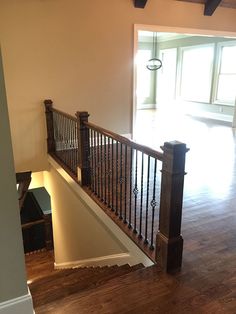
[(49, 286)]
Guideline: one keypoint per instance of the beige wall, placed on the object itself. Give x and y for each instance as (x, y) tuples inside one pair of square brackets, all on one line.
[(12, 269), (78, 233), (80, 54)]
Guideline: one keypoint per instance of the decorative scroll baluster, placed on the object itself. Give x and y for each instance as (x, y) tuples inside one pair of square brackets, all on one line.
[(98, 166), (153, 204), (74, 146), (135, 191), (117, 176), (105, 172), (147, 202), (112, 176), (121, 180), (94, 163), (109, 172), (101, 166), (130, 188), (126, 183), (141, 200)]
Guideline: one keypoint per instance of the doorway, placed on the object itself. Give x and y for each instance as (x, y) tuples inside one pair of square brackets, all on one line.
[(197, 76)]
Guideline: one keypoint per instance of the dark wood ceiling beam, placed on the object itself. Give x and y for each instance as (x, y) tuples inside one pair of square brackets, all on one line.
[(140, 3), (211, 6)]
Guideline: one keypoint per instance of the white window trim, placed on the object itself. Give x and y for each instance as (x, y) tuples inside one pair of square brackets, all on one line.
[(219, 47)]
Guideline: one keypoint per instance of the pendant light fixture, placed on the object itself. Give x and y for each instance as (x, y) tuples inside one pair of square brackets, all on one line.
[(154, 63)]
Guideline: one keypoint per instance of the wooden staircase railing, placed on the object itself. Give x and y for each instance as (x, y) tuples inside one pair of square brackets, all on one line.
[(139, 188)]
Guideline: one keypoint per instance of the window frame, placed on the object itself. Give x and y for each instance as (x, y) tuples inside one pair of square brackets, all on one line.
[(218, 61)]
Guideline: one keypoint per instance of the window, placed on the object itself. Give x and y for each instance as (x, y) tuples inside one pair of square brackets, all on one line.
[(226, 78), (196, 73)]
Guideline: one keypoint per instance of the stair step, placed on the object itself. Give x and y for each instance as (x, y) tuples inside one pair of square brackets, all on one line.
[(60, 284), (114, 295)]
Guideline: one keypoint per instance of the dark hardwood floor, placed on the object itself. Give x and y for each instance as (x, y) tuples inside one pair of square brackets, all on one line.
[(207, 281)]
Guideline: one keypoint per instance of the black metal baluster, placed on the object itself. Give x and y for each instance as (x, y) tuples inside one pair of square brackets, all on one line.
[(141, 201), (68, 142), (135, 191), (101, 166), (65, 142), (58, 131), (105, 170), (63, 139), (54, 129), (147, 201), (75, 151), (109, 172), (112, 176), (126, 183), (93, 162), (90, 158), (98, 168), (69, 146), (153, 204), (130, 188), (117, 176), (73, 147), (121, 180)]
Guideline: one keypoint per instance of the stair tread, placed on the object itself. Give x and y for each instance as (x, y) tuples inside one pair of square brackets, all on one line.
[(111, 295), (61, 284)]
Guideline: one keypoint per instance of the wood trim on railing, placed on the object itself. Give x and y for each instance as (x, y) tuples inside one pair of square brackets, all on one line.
[(64, 114), (31, 224), (142, 148), (169, 247)]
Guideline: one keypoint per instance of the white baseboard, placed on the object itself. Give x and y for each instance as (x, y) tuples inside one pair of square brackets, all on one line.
[(109, 260), (20, 305)]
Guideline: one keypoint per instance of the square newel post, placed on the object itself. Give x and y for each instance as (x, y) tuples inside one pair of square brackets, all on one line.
[(84, 174), (50, 129), (169, 246)]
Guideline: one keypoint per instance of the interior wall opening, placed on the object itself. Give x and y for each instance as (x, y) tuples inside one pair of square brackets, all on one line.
[(197, 77)]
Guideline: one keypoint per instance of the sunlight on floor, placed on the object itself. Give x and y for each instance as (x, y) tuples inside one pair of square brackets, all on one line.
[(211, 159)]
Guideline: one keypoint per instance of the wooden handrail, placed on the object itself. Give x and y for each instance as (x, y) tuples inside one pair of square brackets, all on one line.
[(142, 148), (64, 114)]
